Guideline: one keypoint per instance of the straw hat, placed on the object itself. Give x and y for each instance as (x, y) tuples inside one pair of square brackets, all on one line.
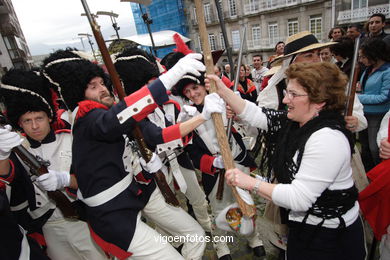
[(301, 42), (272, 71)]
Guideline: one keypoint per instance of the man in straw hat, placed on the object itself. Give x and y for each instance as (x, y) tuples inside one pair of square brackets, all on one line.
[(302, 47), (111, 181), (30, 108)]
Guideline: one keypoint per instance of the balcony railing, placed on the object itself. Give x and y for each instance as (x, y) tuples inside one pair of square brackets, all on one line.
[(266, 5), (362, 14), (264, 43)]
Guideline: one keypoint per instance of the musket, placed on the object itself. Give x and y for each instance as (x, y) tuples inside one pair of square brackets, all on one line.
[(247, 210), (219, 194), (353, 78), (159, 176), (38, 167)]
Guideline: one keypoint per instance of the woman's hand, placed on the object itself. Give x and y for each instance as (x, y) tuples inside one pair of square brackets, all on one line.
[(230, 113), (235, 177), (220, 86), (384, 149), (351, 122)]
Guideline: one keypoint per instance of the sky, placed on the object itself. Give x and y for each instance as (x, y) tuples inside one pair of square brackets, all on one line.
[(52, 24)]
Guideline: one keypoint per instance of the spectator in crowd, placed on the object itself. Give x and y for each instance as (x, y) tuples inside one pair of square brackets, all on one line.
[(343, 53), (279, 50), (258, 71), (336, 33), (326, 55), (227, 72), (375, 85), (248, 72), (225, 80), (354, 31), (246, 87), (376, 25)]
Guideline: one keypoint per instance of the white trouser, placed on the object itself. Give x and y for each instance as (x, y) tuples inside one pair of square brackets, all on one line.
[(218, 205), (71, 240), (178, 223), (146, 244), (197, 198), (384, 247)]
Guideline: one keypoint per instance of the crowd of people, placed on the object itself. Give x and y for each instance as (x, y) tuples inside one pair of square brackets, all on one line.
[(85, 175)]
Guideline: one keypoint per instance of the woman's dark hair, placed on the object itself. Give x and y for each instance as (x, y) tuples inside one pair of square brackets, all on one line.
[(375, 50), (344, 48), (276, 46)]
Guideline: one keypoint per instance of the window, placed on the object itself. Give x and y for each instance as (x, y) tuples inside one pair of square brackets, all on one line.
[(200, 44), (12, 47), (253, 5), (292, 27), (195, 19), (213, 45), (221, 7), (357, 4), (223, 45), (315, 26), (232, 8), (256, 35), (273, 33), (290, 2), (236, 40), (207, 15), (270, 3)]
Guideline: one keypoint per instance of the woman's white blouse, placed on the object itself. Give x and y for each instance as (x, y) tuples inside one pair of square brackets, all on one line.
[(325, 165)]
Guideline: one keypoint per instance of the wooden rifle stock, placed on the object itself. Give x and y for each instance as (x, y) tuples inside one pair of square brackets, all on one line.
[(169, 196), (247, 210), (159, 176)]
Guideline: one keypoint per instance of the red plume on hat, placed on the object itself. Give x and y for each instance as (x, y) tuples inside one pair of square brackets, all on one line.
[(181, 45)]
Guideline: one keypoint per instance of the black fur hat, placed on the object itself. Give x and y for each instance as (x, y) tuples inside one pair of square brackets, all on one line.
[(24, 91), (135, 68), (177, 90), (171, 59), (70, 74)]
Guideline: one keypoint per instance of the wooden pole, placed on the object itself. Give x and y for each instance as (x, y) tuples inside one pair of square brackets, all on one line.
[(247, 210)]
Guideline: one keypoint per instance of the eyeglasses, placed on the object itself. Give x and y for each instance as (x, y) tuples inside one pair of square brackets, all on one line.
[(292, 95)]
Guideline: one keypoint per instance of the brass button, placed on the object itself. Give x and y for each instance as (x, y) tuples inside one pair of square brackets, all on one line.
[(149, 100), (120, 118), (135, 109)]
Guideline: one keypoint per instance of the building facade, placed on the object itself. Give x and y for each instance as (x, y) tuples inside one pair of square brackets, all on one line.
[(267, 22), (14, 51), (164, 15), (358, 11)]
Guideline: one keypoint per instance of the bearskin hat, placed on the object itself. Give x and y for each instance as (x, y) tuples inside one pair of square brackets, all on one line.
[(135, 68), (24, 91), (171, 59), (187, 79), (70, 74)]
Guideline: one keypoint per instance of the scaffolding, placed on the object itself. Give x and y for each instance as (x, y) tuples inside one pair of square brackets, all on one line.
[(165, 15)]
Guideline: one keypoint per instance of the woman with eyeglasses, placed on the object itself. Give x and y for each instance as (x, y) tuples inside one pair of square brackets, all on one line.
[(375, 96), (311, 161)]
